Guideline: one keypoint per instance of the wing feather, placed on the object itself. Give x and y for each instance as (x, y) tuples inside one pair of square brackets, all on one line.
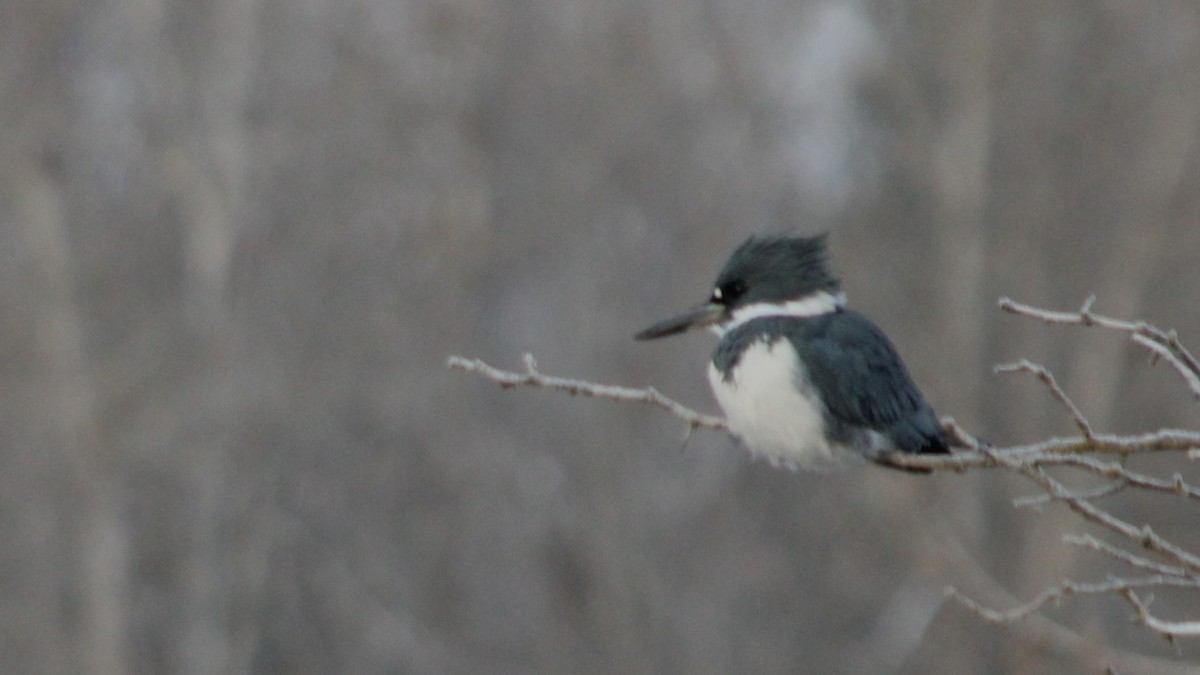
[(868, 386)]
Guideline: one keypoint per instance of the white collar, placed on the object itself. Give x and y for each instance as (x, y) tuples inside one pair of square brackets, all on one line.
[(814, 304)]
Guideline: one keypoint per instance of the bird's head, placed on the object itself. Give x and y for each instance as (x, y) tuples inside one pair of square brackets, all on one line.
[(765, 276)]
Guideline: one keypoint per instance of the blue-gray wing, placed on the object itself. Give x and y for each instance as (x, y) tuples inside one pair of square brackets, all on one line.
[(865, 384)]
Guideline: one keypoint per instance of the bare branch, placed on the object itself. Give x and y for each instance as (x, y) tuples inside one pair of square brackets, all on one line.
[(1051, 451), (1143, 535), (1132, 559), (1095, 493), (1122, 476), (532, 378), (959, 437), (1159, 349), (1167, 629), (1161, 343), (1066, 588), (1040, 371), (1174, 566)]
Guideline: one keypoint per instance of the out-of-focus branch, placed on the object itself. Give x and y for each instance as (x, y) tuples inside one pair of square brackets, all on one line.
[(1175, 566)]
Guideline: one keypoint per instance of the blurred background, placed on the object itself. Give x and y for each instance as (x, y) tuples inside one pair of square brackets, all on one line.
[(240, 238)]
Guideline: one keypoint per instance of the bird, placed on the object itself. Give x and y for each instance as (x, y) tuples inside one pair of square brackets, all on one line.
[(804, 381)]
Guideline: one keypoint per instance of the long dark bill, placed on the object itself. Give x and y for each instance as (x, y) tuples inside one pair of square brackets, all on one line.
[(704, 315)]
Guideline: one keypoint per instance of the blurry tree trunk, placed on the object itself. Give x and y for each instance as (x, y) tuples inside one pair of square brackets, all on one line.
[(90, 505), (1148, 182)]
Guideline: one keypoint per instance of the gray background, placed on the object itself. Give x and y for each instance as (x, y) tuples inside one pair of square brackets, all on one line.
[(239, 239)]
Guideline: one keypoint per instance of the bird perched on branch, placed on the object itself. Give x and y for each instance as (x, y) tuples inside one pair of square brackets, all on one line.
[(804, 381)]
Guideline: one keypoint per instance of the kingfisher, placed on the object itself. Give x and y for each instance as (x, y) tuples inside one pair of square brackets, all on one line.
[(804, 381)]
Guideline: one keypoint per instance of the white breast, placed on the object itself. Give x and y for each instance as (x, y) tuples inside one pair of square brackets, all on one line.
[(770, 406)]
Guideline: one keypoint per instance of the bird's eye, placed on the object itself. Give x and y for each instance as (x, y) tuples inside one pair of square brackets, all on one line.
[(729, 292)]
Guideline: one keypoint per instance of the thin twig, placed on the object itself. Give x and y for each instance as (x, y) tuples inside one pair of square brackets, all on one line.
[(1123, 477), (1040, 371), (958, 436), (1167, 629), (1168, 344), (1100, 492), (1066, 588), (1132, 559), (1166, 352), (1144, 535), (533, 378), (1055, 450)]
